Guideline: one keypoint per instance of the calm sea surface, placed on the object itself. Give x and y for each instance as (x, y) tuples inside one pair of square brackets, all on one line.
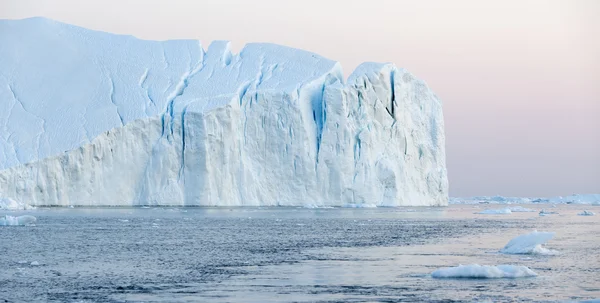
[(291, 255)]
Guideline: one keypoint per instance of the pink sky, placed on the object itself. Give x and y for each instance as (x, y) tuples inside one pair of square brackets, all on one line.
[(520, 80)]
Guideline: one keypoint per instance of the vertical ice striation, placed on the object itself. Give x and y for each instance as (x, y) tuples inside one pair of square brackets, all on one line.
[(271, 125)]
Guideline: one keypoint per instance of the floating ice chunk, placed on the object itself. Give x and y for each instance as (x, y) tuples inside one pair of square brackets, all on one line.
[(530, 243), (543, 212), (18, 220), (586, 213), (34, 263), (520, 209), (501, 211), (476, 271)]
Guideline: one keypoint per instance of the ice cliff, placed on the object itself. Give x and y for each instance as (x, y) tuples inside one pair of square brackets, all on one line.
[(92, 118)]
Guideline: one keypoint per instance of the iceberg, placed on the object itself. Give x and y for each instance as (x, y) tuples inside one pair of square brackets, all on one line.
[(476, 271), (17, 221), (530, 243), (98, 119)]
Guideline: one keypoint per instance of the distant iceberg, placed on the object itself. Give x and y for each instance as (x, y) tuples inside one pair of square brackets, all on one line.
[(589, 199), (530, 243), (476, 271)]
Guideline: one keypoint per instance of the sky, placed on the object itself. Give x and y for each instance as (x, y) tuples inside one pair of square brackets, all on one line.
[(519, 79)]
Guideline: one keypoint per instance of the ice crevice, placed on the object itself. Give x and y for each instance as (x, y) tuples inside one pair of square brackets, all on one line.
[(42, 120), (112, 99)]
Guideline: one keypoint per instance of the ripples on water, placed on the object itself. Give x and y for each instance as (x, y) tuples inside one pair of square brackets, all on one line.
[(290, 255)]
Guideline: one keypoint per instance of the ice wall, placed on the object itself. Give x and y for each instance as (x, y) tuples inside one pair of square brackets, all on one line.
[(99, 119)]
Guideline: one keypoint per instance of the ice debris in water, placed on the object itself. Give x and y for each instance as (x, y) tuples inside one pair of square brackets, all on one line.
[(18, 220), (593, 199), (543, 212), (520, 209), (34, 263), (530, 243), (501, 211), (476, 271), (586, 213)]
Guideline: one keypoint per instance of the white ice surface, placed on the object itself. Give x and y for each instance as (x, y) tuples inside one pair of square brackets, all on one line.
[(530, 243), (475, 271), (91, 118), (17, 220)]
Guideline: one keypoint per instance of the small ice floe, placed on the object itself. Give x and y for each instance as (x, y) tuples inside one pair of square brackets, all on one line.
[(543, 212), (586, 213), (476, 271), (18, 220), (500, 211), (123, 220), (35, 263), (520, 209), (528, 244)]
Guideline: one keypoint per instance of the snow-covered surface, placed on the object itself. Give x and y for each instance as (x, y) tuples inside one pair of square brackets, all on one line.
[(500, 211), (591, 199), (92, 118), (476, 271), (11, 204), (17, 220), (530, 243), (586, 213)]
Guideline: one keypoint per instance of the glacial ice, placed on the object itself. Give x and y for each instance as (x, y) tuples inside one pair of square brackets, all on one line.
[(92, 118), (17, 220), (530, 243), (476, 271)]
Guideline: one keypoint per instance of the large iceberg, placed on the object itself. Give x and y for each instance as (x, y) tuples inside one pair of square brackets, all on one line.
[(92, 118)]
